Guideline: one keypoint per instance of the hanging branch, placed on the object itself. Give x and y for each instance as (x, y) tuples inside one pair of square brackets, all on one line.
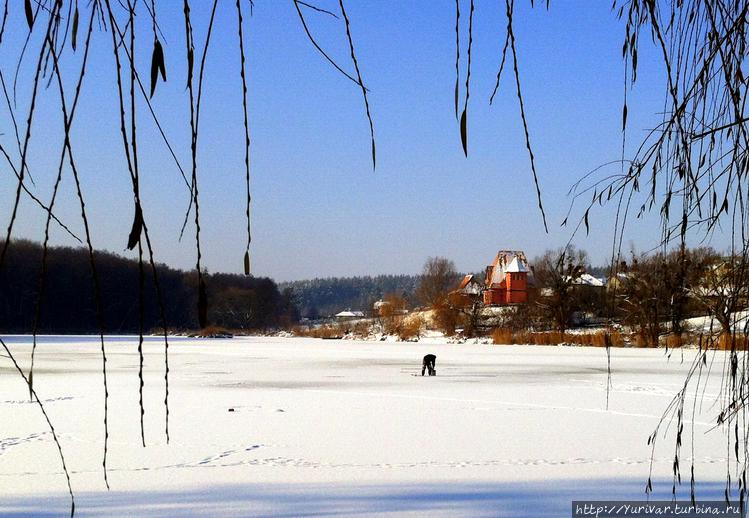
[(698, 153), (5, 19), (511, 45), (360, 82), (194, 124), (30, 16), (12, 114), (501, 66), (457, 55), (164, 327), (310, 6), (45, 245), (140, 227), (27, 137), (35, 199), (509, 4), (146, 99), (138, 221), (246, 136), (464, 115), (92, 262), (318, 47)]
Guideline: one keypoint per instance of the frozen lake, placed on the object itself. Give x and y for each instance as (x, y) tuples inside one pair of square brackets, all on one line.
[(322, 427)]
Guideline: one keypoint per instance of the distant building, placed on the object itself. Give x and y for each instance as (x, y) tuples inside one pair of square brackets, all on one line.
[(508, 279), (468, 291), (349, 315), (587, 279)]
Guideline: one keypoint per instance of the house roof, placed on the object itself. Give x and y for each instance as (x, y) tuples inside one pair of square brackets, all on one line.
[(587, 279), (508, 261), (469, 285), (349, 313), (516, 266), (466, 280)]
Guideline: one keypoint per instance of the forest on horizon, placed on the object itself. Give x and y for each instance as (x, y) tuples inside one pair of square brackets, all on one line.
[(68, 305)]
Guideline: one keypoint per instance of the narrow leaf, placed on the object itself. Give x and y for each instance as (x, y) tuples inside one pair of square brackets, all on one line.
[(29, 13), (162, 63), (587, 225), (464, 132), (75, 29), (247, 262), (135, 232), (624, 118), (190, 60), (157, 65)]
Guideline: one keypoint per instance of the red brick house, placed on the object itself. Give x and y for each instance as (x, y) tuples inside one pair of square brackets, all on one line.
[(508, 279)]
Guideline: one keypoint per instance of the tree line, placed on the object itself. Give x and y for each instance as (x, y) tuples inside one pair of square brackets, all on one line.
[(317, 298), (67, 303)]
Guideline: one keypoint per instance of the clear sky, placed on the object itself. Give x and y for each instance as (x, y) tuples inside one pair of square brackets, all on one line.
[(318, 208)]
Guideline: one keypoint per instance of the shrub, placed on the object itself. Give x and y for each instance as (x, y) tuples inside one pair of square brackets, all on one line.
[(445, 319), (410, 329), (361, 329)]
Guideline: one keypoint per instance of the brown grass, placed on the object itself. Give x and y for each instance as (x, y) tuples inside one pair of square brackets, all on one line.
[(676, 340), (326, 331), (641, 340), (726, 341), (595, 339), (502, 336), (360, 329), (598, 339)]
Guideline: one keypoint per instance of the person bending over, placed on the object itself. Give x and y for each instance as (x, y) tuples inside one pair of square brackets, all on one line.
[(428, 365)]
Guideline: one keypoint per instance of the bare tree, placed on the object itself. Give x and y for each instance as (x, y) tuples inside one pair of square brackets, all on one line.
[(556, 273), (643, 298), (723, 290), (438, 278)]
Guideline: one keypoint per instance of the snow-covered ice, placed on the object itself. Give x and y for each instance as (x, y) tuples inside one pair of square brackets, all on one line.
[(330, 427)]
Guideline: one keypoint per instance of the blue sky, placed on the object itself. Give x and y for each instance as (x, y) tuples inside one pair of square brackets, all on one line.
[(318, 208)]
